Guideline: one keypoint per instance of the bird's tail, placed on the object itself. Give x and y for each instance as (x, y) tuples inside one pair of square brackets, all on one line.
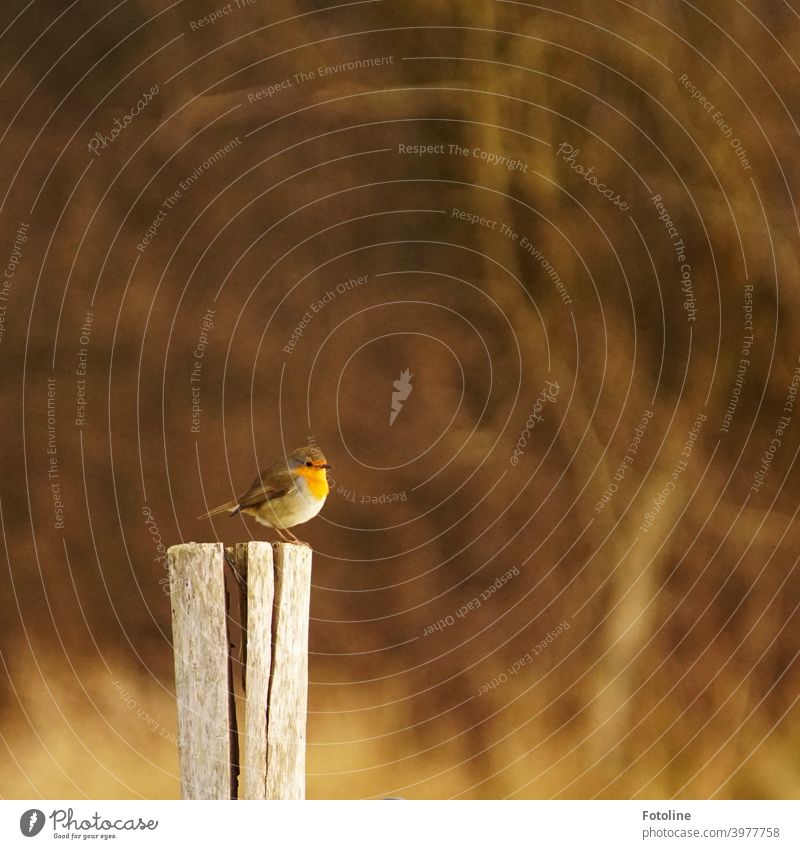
[(229, 507)]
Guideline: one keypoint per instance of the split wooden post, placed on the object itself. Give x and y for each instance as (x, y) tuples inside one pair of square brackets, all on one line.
[(255, 562), (288, 686), (200, 641), (277, 581)]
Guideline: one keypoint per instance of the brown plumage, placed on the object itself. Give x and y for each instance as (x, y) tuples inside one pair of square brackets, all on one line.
[(286, 493)]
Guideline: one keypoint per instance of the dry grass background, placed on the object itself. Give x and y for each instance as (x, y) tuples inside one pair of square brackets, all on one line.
[(678, 675)]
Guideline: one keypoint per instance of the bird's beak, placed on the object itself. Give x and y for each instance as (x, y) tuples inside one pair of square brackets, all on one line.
[(326, 466)]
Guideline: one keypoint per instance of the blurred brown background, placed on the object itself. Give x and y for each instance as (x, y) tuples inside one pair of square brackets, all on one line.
[(678, 672)]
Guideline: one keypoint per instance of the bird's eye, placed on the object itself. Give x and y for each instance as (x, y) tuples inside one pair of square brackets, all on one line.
[(309, 463)]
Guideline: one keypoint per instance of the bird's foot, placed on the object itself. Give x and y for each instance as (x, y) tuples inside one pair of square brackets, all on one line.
[(293, 539)]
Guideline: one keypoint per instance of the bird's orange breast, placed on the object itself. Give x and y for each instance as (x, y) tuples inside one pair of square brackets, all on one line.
[(317, 480)]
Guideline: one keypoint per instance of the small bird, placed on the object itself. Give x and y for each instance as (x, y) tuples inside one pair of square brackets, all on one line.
[(287, 493)]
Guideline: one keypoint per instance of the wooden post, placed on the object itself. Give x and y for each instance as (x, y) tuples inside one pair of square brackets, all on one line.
[(200, 641), (288, 686), (256, 563), (277, 581)]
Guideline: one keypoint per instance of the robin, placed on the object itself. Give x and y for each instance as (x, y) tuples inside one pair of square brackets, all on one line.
[(287, 493)]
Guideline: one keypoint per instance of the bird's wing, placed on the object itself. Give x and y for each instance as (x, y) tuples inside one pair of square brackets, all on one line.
[(268, 484), (265, 487), (227, 507), (258, 495)]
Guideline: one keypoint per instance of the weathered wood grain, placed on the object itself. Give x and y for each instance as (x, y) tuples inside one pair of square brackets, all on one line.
[(200, 641), (259, 569), (288, 690), (275, 616)]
